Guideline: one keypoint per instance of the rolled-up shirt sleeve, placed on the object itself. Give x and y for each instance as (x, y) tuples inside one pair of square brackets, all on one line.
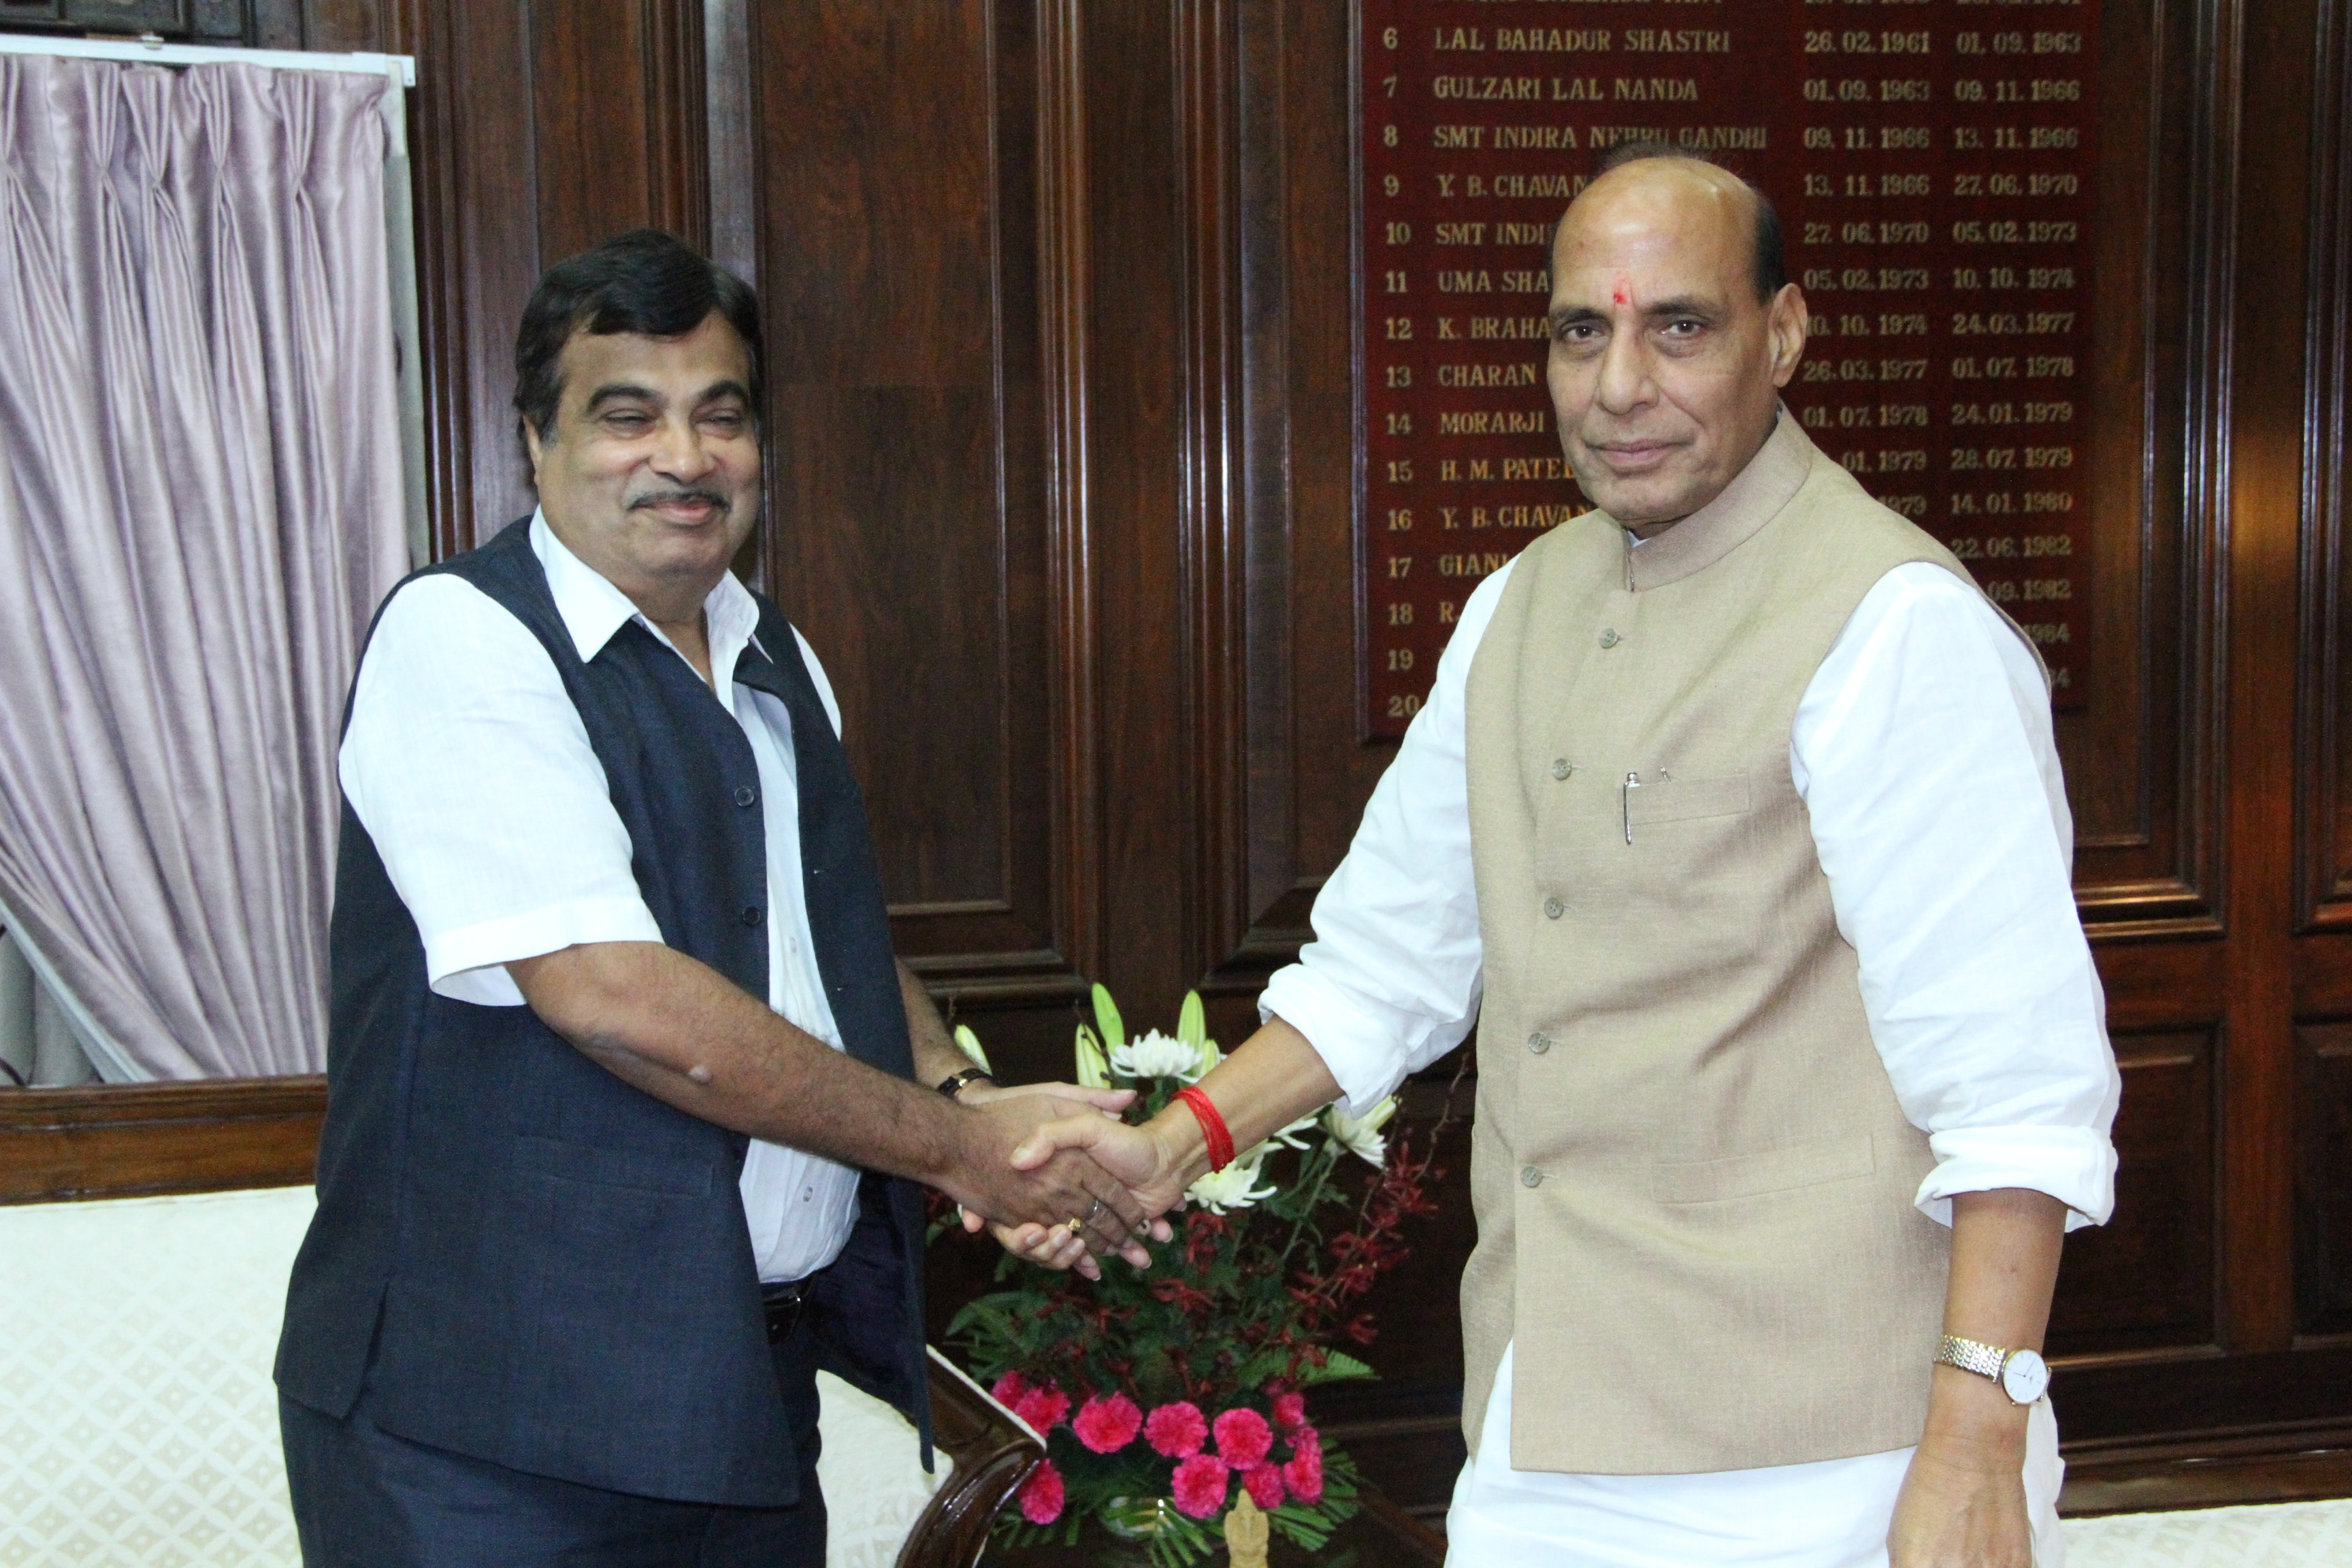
[(471, 771), (1394, 978), (1923, 751)]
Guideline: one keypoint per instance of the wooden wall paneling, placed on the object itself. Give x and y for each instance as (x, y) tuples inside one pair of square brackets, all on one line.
[(911, 205), (2146, 1280), (332, 25), (1066, 309), (2323, 1182), (2323, 770), (1145, 722), (617, 100), (2143, 757), (474, 154), (2257, 491), (1211, 454)]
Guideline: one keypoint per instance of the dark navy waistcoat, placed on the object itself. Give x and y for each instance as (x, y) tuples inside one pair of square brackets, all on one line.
[(524, 1259)]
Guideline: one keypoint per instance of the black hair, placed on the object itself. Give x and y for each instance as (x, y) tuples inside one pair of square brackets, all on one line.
[(642, 281), (1769, 266)]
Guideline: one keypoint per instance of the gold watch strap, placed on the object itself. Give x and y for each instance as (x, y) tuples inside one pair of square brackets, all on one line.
[(1973, 1355)]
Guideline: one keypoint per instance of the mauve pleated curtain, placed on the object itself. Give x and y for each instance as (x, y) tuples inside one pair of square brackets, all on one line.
[(201, 505)]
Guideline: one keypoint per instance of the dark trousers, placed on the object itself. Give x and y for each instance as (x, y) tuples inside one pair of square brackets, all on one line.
[(365, 1499)]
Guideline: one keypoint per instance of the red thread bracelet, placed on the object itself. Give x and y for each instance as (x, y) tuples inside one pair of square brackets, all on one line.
[(1213, 1126)]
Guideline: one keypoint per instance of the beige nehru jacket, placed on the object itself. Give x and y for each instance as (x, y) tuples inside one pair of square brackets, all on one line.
[(1694, 1184)]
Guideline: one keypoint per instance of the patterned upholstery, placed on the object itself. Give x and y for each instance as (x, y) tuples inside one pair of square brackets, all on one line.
[(136, 1419), (2279, 1535)]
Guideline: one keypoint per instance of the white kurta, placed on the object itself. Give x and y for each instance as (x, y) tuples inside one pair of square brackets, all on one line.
[(1924, 752), (470, 769)]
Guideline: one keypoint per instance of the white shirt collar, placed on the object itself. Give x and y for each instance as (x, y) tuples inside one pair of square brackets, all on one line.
[(593, 609)]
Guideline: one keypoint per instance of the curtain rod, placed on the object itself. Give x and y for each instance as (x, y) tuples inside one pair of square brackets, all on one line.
[(161, 53)]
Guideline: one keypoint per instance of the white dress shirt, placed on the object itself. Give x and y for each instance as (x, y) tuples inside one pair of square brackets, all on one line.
[(470, 769), (1924, 752)]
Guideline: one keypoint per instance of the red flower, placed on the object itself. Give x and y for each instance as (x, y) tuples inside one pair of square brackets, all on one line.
[(1242, 1436), (1306, 1438), (1200, 1486), (1265, 1484), (1305, 1474), (1290, 1411), (1009, 1389), (1177, 1430), (1042, 1408), (1042, 1495), (1107, 1426)]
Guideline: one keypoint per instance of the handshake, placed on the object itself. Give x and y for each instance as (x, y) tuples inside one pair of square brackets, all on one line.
[(1059, 1178)]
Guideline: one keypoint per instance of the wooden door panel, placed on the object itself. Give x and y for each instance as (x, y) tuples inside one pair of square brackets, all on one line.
[(2146, 1280), (906, 534)]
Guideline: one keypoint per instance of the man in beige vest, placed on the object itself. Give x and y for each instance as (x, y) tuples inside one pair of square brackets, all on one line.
[(1734, 820)]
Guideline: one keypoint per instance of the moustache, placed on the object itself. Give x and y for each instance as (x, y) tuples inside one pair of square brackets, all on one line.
[(658, 498)]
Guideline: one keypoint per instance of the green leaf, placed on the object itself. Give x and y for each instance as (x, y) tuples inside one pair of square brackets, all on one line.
[(969, 1043), (1192, 1022), (1337, 1366), (1113, 1033)]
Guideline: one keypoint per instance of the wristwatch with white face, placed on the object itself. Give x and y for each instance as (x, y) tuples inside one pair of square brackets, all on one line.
[(2023, 1375)]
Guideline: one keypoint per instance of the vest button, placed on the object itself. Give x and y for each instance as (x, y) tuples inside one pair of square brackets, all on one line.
[(1554, 908), (1561, 768), (1531, 1177), (1540, 1042), (753, 914), (1610, 639), (745, 795)]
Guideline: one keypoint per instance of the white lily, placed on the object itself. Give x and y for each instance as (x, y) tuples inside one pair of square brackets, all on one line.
[(1154, 1055), (1361, 1136), (969, 1043), (1091, 1071), (1235, 1187), (1291, 1136)]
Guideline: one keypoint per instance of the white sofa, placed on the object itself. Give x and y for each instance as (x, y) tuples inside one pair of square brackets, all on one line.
[(139, 1426)]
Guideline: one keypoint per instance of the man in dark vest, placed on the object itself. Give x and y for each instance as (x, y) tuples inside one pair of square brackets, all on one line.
[(628, 1093)]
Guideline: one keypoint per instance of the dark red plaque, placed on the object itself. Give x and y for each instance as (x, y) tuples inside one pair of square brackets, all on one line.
[(1931, 162)]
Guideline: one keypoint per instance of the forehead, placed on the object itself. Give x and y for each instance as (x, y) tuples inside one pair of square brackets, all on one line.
[(1666, 225), (687, 363)]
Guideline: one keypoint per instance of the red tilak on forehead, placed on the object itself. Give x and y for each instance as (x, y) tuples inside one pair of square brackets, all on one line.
[(1619, 295), (1624, 290)]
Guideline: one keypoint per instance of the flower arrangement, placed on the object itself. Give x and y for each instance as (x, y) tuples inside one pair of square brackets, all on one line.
[(1163, 1394)]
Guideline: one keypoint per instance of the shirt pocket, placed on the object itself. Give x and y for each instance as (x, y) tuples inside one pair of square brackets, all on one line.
[(1672, 799), (1780, 1169)]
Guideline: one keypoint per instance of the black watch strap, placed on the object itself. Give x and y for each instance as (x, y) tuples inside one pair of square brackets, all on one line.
[(952, 1085)]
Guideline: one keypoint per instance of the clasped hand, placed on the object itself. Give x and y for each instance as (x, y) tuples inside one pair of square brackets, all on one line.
[(1028, 1176), (1146, 1175)]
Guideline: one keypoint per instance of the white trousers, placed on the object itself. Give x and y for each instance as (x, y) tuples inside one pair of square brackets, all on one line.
[(1832, 1513)]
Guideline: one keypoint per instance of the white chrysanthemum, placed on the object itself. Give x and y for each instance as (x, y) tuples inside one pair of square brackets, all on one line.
[(1361, 1136), (1154, 1055), (1235, 1187)]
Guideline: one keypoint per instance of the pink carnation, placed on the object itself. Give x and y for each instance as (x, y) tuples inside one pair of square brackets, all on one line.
[(1177, 1430), (1042, 1408), (1290, 1411), (1009, 1389), (1305, 1474), (1200, 1486), (1242, 1436), (1042, 1495), (1265, 1484), (1107, 1426)]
